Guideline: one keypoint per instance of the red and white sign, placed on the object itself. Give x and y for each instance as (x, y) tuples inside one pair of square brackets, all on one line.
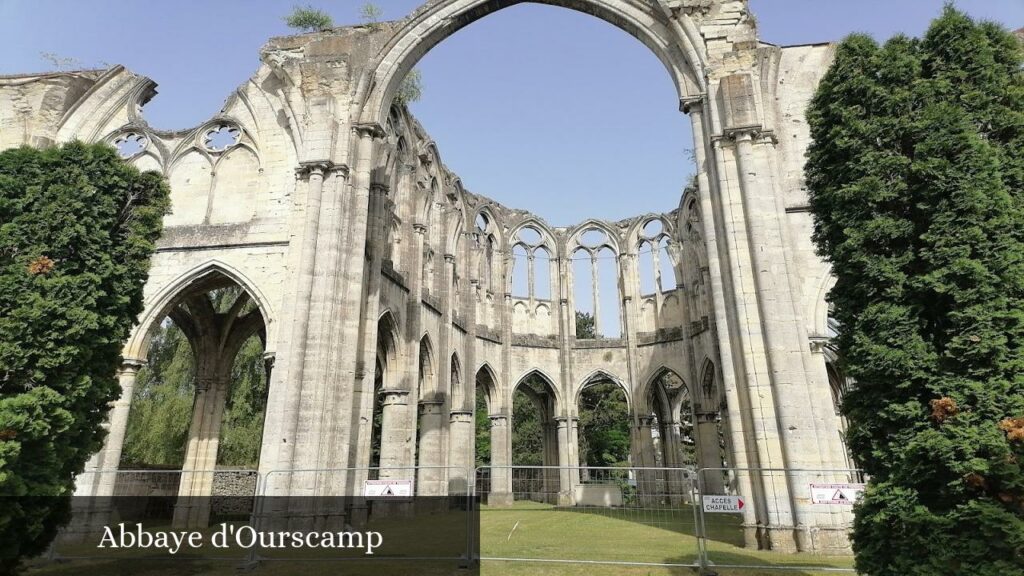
[(388, 489), (724, 504), (842, 494)]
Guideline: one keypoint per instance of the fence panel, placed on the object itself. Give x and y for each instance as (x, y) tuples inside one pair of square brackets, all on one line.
[(734, 534), (628, 516)]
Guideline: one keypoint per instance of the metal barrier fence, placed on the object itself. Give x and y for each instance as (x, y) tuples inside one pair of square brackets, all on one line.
[(733, 535), (627, 516), (595, 515)]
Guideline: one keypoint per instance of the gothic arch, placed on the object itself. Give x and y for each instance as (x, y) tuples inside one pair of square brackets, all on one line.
[(548, 382), (575, 234), (161, 304), (673, 44), (650, 383), (601, 375), (485, 378)]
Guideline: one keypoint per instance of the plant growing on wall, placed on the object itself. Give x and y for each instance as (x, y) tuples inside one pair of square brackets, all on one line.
[(77, 229), (411, 88), (309, 19), (916, 179)]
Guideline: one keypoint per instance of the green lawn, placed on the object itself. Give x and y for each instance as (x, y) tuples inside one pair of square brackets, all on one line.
[(524, 531)]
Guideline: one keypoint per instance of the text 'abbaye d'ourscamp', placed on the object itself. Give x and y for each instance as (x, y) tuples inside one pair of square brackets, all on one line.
[(230, 536)]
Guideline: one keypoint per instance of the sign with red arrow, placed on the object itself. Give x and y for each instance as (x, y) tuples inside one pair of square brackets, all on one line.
[(724, 504)]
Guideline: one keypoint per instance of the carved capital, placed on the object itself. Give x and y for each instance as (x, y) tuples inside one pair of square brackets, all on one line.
[(449, 258), (132, 365), (394, 397), (818, 343), (419, 227), (320, 168), (460, 417), (370, 129), (380, 188), (691, 104)]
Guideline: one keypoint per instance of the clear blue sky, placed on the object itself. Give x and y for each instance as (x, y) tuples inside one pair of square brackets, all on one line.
[(537, 107)]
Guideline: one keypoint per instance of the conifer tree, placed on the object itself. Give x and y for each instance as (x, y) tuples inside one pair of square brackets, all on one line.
[(77, 228), (916, 180)]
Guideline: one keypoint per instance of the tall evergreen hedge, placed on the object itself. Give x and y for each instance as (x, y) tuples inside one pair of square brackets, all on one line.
[(916, 180), (77, 229)]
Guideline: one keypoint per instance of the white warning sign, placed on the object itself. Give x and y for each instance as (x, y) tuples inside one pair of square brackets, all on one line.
[(724, 504), (836, 493), (390, 488)]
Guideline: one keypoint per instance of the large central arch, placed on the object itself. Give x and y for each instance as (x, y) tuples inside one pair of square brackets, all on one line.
[(670, 40)]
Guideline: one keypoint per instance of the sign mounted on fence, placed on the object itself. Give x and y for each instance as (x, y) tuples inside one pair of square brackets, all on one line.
[(836, 493), (388, 489), (724, 504)]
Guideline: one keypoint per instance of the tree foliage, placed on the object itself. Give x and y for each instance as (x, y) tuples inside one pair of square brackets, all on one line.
[(309, 19), (77, 229), (411, 88), (604, 426), (585, 326), (916, 179)]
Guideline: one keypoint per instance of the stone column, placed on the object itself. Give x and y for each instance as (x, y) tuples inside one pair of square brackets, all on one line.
[(744, 451), (501, 473), (647, 479), (429, 477), (394, 434), (462, 460), (566, 489), (313, 174), (192, 509), (100, 476), (709, 452)]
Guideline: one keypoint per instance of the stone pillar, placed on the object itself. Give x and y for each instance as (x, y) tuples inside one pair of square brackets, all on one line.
[(429, 475), (394, 434), (461, 432), (192, 509), (313, 174), (648, 486), (709, 452), (501, 456), (100, 477), (566, 489)]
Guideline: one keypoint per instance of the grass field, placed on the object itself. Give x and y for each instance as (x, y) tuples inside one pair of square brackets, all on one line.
[(525, 531)]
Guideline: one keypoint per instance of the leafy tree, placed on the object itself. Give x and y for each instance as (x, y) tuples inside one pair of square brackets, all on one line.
[(161, 410), (585, 326), (527, 432), (411, 88), (77, 229), (604, 426), (309, 19), (916, 179)]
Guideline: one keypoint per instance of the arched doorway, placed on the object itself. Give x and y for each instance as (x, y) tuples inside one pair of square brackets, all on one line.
[(535, 439), (200, 402)]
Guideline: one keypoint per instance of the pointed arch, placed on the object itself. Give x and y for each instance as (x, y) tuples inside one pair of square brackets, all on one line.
[(546, 381), (206, 276), (576, 232), (598, 376), (488, 382)]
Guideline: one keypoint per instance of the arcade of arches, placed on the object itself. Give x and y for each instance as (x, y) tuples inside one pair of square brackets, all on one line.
[(395, 306)]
